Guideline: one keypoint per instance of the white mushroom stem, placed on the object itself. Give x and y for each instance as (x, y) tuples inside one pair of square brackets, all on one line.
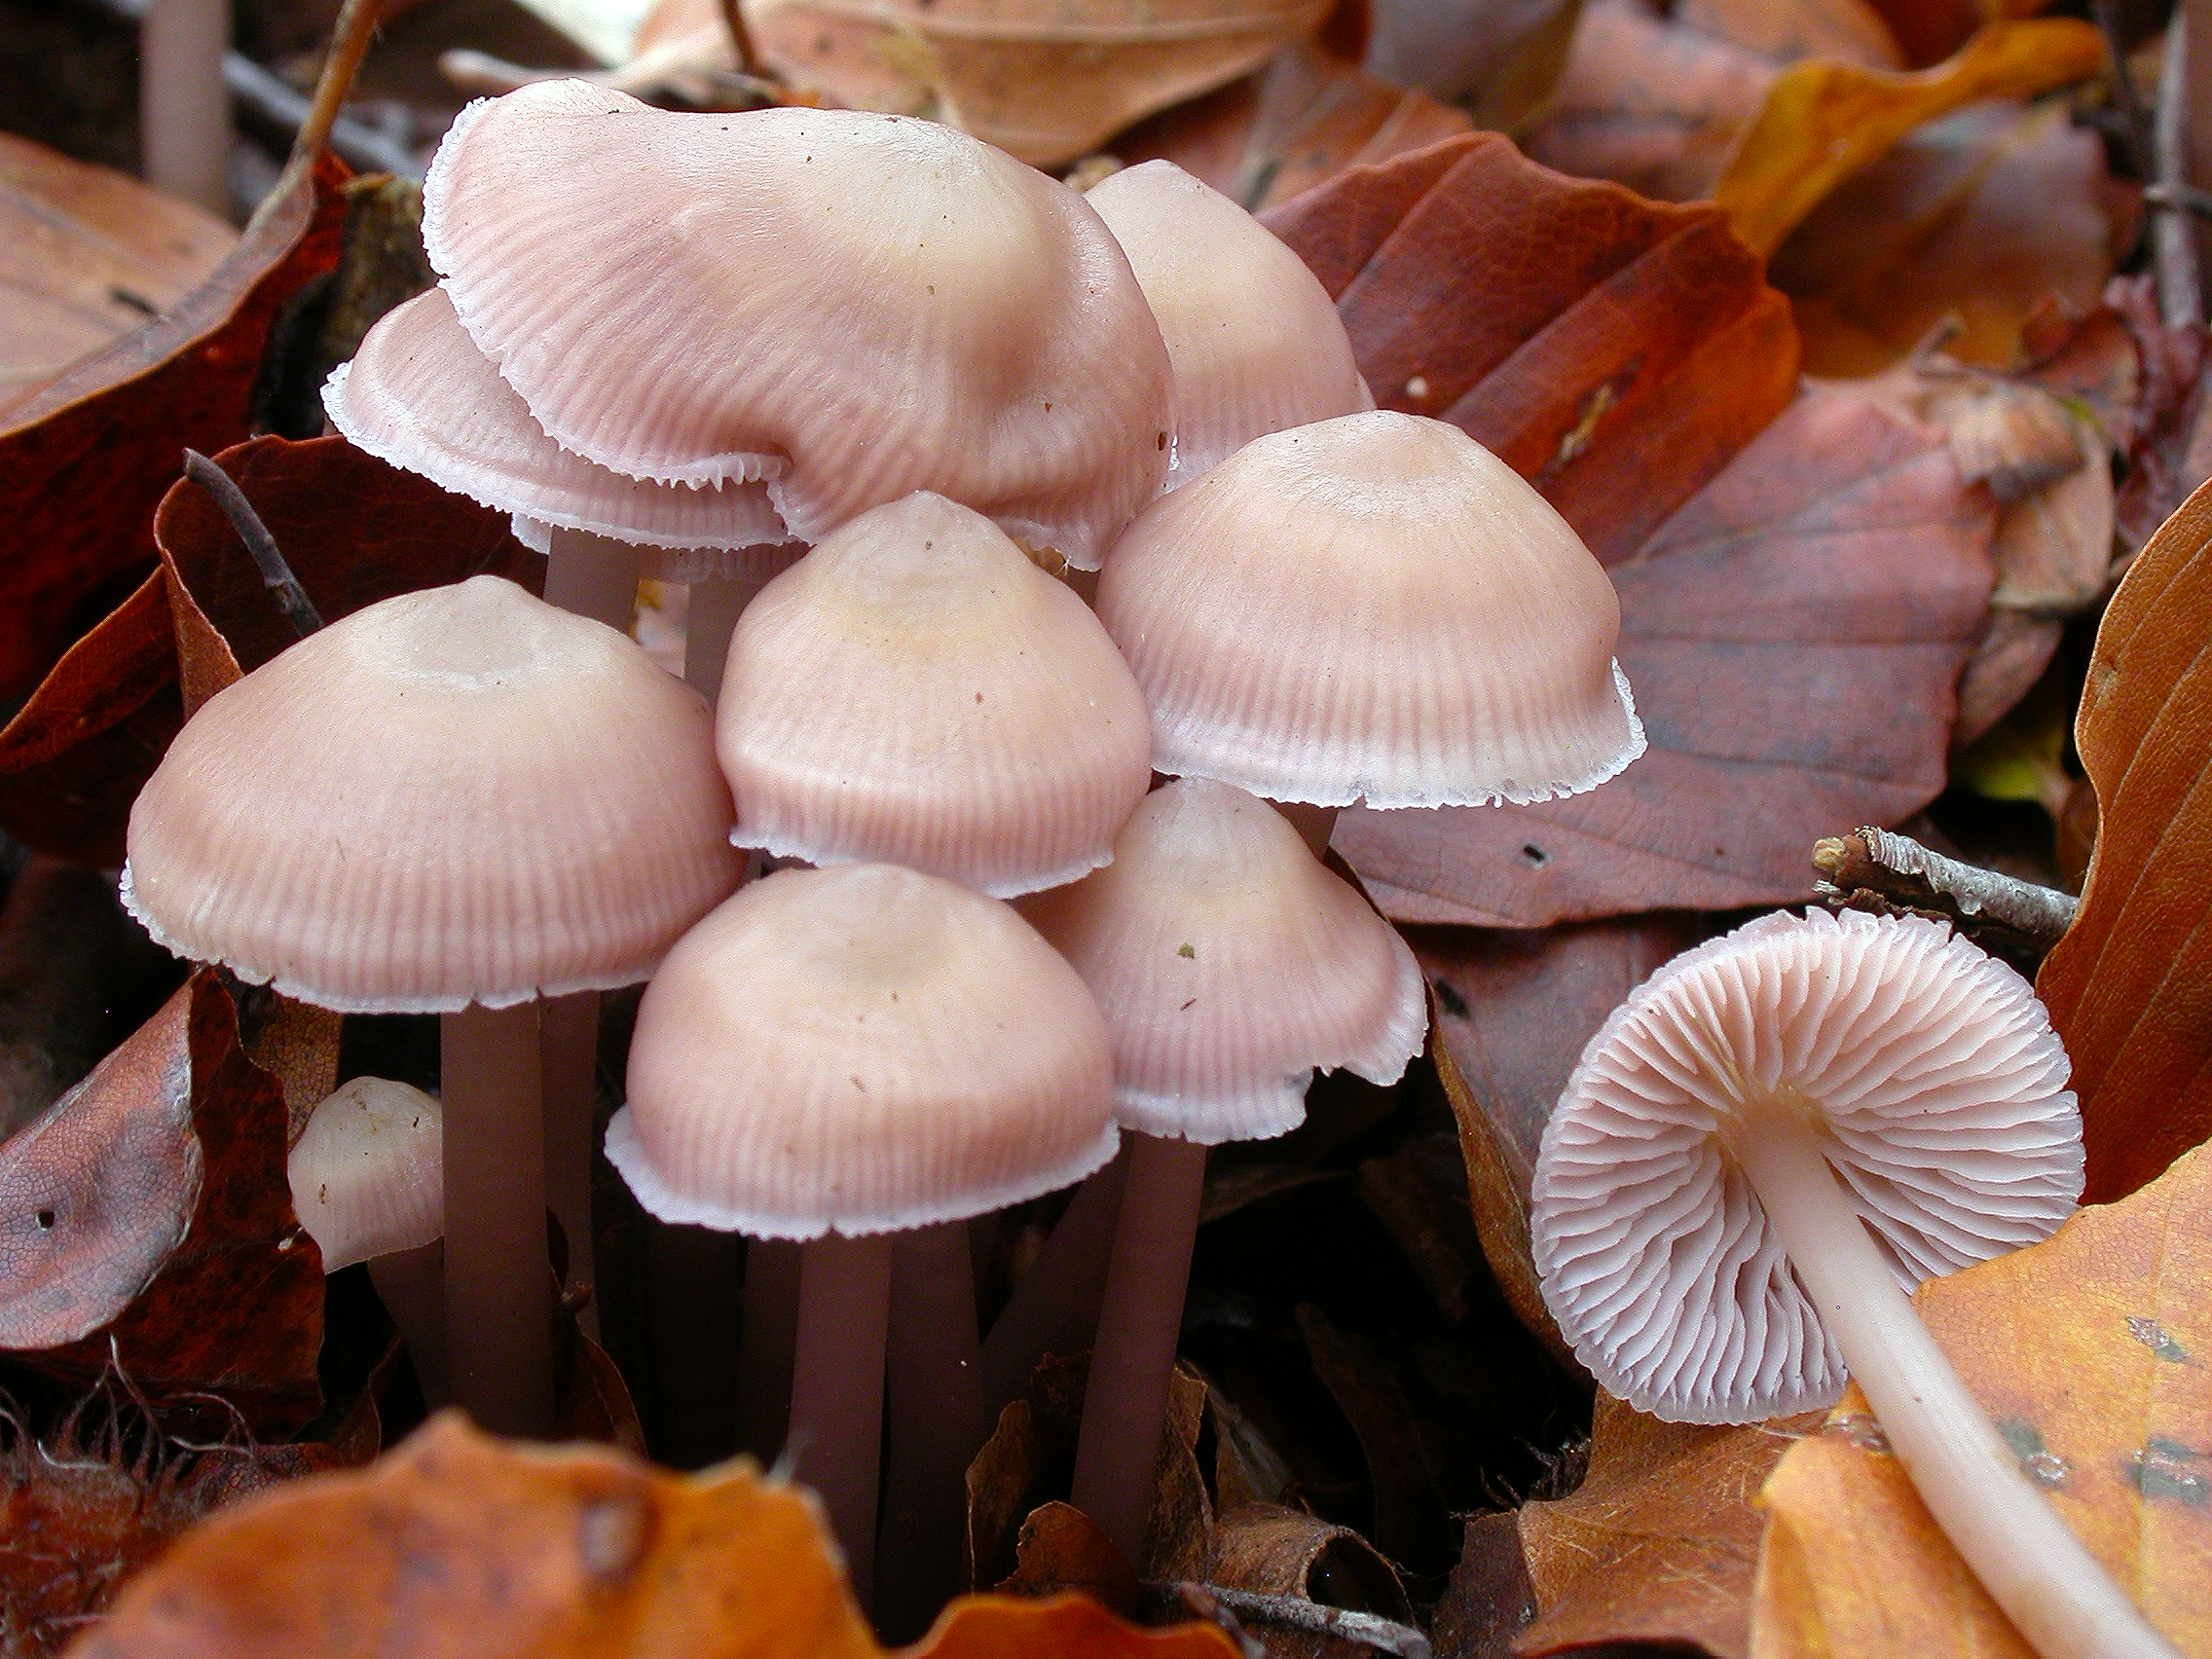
[(767, 1335), (184, 107), (498, 1286), (412, 1286), (1054, 1304), (836, 1440), (709, 616), (1125, 1403), (2057, 1594), (568, 1047), (593, 576)]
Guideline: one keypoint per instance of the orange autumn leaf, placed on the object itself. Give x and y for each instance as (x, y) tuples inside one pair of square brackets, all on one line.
[(2127, 986), (2091, 1350), (462, 1546)]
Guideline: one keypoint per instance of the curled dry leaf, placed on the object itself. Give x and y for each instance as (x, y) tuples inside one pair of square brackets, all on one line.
[(85, 457), (1046, 82), (87, 254), (2126, 986), (355, 531), (2091, 1352), (458, 1544), (1660, 1542), (1499, 61), (1783, 31), (146, 1227)]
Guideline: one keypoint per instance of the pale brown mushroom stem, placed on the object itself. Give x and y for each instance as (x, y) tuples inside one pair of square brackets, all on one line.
[(1055, 1306), (184, 107), (1125, 1404), (412, 1286), (593, 576), (936, 1420), (691, 1311), (766, 1337), (568, 1049), (1315, 823), (844, 1310), (710, 618), (2057, 1594), (498, 1287)]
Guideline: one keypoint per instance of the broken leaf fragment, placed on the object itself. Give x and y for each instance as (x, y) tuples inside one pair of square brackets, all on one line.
[(2089, 1350)]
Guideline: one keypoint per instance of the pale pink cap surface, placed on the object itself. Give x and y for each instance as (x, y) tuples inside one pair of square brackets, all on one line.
[(850, 306), (1376, 610), (917, 692), (1231, 964), (420, 396), (368, 1171), (860, 1049), (459, 794), (1255, 341), (1939, 1091)]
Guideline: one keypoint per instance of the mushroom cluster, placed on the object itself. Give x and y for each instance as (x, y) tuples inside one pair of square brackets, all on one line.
[(886, 397)]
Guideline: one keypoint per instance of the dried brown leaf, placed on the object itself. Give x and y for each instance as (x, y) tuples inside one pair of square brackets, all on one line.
[(1783, 31)]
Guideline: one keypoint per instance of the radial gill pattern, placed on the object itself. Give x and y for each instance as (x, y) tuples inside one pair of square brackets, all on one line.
[(420, 395), (917, 692), (1231, 964), (1371, 609), (860, 1049), (368, 1171), (850, 306), (1254, 338), (1942, 1092), (455, 795)]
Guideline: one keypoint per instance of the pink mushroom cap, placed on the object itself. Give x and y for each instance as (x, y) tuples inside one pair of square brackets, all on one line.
[(1939, 1090)]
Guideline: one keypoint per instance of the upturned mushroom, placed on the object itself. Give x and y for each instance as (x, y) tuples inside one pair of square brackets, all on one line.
[(835, 1055), (457, 802), (1254, 339), (1229, 966), (845, 306), (1763, 1150)]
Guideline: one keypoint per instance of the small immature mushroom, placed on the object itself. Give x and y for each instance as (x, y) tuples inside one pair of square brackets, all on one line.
[(368, 1184), (917, 692), (1762, 1150), (1255, 341), (455, 800), (838, 1054), (1229, 964), (848, 307)]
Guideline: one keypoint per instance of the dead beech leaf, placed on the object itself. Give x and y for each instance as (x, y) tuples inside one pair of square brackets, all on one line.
[(85, 457), (2090, 1351), (1613, 350), (87, 255), (146, 1227), (1065, 1627), (1794, 635), (2127, 985), (1783, 31), (1046, 84), (1279, 1550), (1660, 1542), (1822, 120), (1498, 61), (1304, 118), (1511, 1012)]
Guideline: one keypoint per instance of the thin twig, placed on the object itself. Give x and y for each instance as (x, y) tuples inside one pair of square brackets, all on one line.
[(2108, 15), (1900, 872), (741, 39), (2173, 229), (1295, 1613), (348, 45), (275, 574)]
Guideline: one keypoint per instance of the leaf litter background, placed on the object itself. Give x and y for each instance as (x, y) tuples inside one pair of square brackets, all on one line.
[(1830, 325)]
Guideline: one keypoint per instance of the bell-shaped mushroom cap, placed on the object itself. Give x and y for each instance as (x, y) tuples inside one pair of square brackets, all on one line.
[(1939, 1092), (455, 795), (368, 1171), (1231, 964), (860, 1049), (917, 692), (1372, 609), (851, 306), (1254, 338), (420, 395)]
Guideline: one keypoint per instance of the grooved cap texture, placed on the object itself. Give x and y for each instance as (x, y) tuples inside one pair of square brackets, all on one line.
[(1229, 964), (459, 794), (1255, 341), (1376, 610), (860, 1049), (915, 692), (1941, 1093), (368, 1171), (851, 306), (420, 395)]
